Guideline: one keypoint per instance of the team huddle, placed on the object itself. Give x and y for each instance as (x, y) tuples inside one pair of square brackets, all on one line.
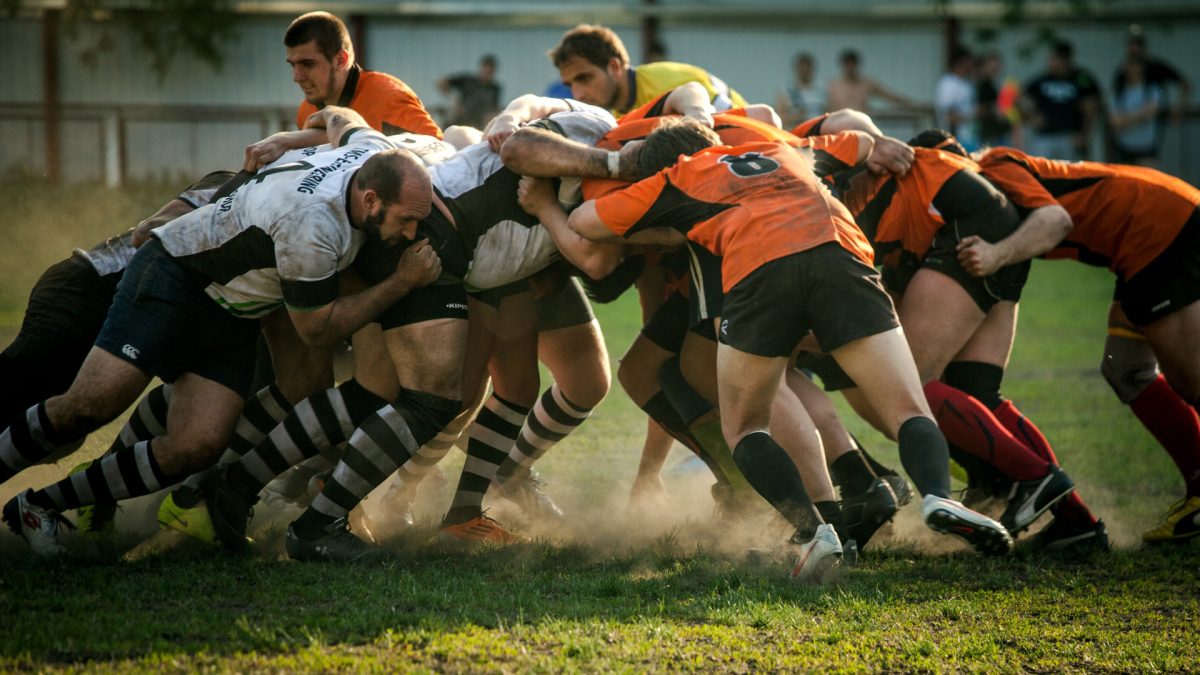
[(454, 262)]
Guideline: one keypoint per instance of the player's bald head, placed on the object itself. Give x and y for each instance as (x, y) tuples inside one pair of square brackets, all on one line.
[(673, 137), (392, 173)]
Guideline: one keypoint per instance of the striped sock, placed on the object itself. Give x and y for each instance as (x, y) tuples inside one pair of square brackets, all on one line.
[(552, 418), (491, 437), (29, 440), (131, 472), (148, 420), (317, 424)]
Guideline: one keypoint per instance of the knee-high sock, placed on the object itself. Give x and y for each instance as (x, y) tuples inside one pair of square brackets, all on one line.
[(317, 424), (131, 472), (772, 474), (925, 456), (148, 420), (552, 418), (660, 410), (385, 440), (1175, 425), (969, 425), (29, 439), (491, 438)]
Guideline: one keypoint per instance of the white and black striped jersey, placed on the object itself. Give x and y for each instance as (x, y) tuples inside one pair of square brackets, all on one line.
[(112, 255), (497, 242), (282, 237)]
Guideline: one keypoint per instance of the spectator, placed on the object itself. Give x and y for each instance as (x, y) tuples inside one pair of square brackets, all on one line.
[(1157, 72), (954, 98), (996, 112), (1061, 105), (803, 99), (477, 97), (1134, 116), (853, 89)]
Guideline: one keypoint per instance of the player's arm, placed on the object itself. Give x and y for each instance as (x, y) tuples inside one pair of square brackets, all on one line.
[(337, 123), (271, 148), (519, 112), (877, 89), (690, 100), (169, 211), (1041, 231), (322, 318), (544, 154), (586, 222), (595, 259)]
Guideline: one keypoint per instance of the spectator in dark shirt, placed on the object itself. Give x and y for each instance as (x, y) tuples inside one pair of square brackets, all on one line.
[(999, 122), (476, 97), (1061, 105), (1157, 73)]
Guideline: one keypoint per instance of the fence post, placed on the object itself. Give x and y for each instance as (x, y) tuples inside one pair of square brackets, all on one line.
[(112, 148)]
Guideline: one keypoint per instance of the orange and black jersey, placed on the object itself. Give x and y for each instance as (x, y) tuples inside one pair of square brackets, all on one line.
[(831, 154), (384, 101), (1123, 216), (810, 127), (749, 204), (901, 214)]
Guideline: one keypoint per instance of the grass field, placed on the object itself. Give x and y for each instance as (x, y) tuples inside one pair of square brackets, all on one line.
[(665, 591)]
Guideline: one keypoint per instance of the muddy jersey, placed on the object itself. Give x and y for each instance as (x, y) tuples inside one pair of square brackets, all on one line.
[(112, 255), (386, 103), (749, 204), (901, 215), (281, 238), (492, 236), (1123, 216)]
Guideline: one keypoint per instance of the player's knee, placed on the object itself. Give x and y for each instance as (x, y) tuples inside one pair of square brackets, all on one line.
[(981, 380), (425, 414), (1129, 367), (588, 391)]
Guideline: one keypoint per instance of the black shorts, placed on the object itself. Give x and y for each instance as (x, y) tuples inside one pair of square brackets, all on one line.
[(164, 323), (704, 283), (443, 299), (563, 306), (1169, 283), (825, 289), (669, 323), (824, 366), (1006, 284), (66, 310)]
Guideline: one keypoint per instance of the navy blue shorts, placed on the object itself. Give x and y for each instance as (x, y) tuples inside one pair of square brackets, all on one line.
[(163, 322)]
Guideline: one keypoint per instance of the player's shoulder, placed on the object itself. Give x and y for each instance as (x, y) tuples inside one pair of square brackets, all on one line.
[(377, 79)]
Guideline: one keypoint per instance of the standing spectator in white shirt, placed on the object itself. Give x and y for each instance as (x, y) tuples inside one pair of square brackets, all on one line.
[(954, 98)]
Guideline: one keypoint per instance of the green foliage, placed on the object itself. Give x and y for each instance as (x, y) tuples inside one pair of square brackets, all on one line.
[(163, 29)]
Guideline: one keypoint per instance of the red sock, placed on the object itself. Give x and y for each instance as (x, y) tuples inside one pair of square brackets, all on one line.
[(968, 424), (1025, 430), (1176, 426), (1071, 509)]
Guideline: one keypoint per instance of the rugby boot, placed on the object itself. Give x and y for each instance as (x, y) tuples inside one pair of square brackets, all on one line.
[(191, 520), (1179, 523), (1029, 499), (478, 530), (867, 512), (228, 510), (900, 488), (1061, 537), (950, 517), (35, 524), (336, 543), (98, 519), (819, 560), (526, 492)]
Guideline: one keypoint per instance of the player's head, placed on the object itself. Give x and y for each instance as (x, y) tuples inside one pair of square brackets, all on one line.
[(592, 61), (395, 194), (938, 139), (673, 137), (320, 54)]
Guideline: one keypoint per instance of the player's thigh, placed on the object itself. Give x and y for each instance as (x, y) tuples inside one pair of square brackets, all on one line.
[(428, 356), (373, 367), (200, 421), (301, 370), (698, 363), (747, 386), (938, 317), (105, 386), (1176, 342), (640, 367), (992, 341), (578, 361), (883, 368)]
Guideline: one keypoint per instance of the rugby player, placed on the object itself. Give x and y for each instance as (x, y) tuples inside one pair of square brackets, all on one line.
[(185, 311)]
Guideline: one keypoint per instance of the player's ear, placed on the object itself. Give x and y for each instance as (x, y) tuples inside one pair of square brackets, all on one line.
[(615, 67), (342, 60)]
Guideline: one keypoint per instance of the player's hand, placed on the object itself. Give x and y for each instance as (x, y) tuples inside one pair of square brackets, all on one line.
[(317, 119), (978, 257), (499, 130), (534, 195), (890, 156), (419, 265), (264, 152), (701, 113), (141, 233), (627, 161)]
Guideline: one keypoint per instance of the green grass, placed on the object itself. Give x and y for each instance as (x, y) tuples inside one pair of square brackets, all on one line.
[(622, 592)]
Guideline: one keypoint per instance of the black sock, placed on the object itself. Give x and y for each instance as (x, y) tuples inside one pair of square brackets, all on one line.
[(771, 472), (686, 400), (660, 410), (831, 513), (879, 469), (925, 456), (311, 524), (981, 380), (852, 473)]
